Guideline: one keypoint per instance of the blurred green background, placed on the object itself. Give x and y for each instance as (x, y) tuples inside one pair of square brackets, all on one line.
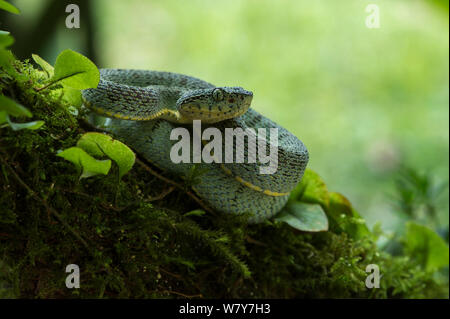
[(366, 102)]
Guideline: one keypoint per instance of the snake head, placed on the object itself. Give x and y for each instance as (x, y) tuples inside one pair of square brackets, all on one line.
[(214, 104)]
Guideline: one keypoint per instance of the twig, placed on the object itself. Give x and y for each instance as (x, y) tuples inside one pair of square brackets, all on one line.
[(58, 80), (162, 195), (254, 241), (75, 192), (45, 204), (169, 273), (183, 295), (105, 205), (173, 183)]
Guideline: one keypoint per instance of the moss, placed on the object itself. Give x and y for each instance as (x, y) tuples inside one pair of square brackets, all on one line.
[(127, 246)]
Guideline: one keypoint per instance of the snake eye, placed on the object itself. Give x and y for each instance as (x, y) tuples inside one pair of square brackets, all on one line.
[(217, 95)]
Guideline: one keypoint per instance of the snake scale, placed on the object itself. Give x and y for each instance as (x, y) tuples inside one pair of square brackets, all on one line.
[(141, 108)]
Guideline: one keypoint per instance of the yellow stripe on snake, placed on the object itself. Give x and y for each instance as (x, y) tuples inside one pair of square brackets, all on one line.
[(144, 107)]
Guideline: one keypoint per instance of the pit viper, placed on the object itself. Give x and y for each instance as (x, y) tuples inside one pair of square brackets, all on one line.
[(141, 108)]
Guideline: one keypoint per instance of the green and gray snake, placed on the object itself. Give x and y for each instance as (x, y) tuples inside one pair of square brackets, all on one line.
[(143, 107)]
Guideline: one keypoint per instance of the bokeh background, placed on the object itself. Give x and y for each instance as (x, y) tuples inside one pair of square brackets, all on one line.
[(367, 103)]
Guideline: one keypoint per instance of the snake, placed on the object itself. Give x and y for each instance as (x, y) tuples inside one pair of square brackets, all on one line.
[(142, 107)]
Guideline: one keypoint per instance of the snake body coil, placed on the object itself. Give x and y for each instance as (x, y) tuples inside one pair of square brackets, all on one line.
[(144, 107)]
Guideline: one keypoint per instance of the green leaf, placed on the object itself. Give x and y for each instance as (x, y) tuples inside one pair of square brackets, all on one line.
[(85, 162), (6, 61), (5, 39), (305, 217), (75, 70), (47, 67), (344, 218), (426, 247), (3, 117), (98, 144), (197, 212), (72, 96), (28, 125), (314, 189), (12, 107), (8, 7), (297, 192)]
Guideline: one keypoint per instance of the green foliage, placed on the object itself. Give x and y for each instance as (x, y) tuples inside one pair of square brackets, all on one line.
[(345, 218), (442, 4), (195, 212), (425, 247), (313, 189), (9, 107), (34, 125), (71, 95), (8, 7), (417, 195), (6, 59), (418, 201), (73, 71), (340, 214), (86, 164), (47, 67), (76, 72), (305, 207), (304, 216), (5, 39), (100, 145)]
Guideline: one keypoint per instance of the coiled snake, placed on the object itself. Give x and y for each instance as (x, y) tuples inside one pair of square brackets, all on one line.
[(143, 107)]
